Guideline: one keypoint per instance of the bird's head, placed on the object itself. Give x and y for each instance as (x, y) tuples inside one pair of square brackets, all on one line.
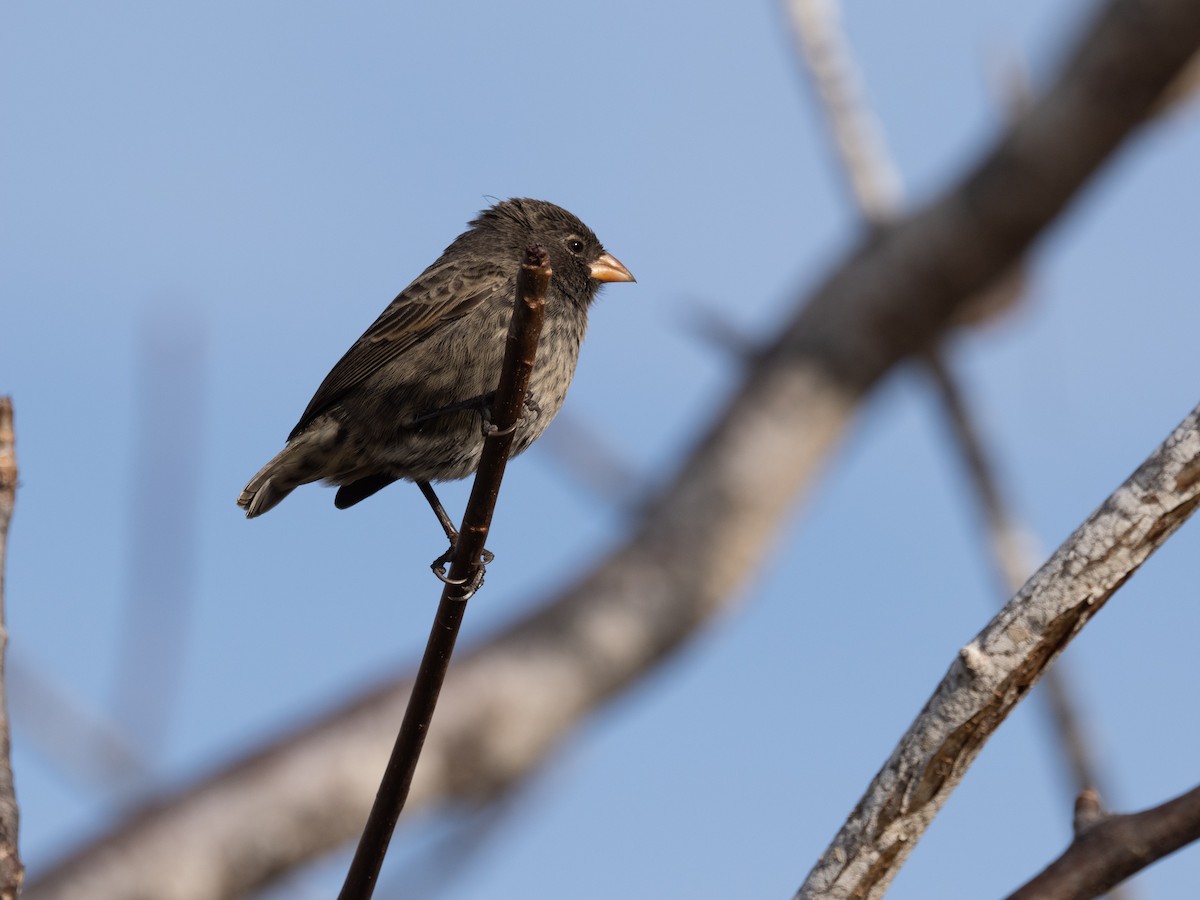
[(580, 262)]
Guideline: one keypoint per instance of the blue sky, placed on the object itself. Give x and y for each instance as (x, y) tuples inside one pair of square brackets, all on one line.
[(249, 184)]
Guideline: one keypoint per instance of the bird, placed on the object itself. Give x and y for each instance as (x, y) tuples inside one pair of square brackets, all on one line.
[(406, 400)]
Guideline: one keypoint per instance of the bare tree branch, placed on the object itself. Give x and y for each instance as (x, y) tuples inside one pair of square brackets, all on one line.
[(84, 745), (996, 670), (12, 872), (511, 702), (1108, 849)]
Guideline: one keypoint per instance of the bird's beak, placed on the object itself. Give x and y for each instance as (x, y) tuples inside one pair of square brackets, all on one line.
[(608, 268)]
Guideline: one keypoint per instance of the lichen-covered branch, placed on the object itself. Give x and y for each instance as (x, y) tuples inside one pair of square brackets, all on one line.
[(996, 670), (12, 872)]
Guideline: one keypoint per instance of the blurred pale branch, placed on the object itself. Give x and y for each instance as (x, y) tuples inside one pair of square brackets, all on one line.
[(85, 745), (12, 872), (878, 188), (1110, 848), (994, 672), (857, 135), (697, 543)]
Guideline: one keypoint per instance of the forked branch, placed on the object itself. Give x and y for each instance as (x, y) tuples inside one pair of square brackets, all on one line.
[(996, 670), (1107, 849)]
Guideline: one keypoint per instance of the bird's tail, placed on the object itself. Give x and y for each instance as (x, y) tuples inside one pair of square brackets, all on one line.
[(294, 465)]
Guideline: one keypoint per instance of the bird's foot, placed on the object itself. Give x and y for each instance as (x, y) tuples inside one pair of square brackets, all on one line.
[(531, 404), (490, 430), (470, 584)]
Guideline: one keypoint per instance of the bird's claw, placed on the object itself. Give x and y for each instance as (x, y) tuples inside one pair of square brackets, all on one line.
[(438, 566), (490, 430), (472, 584)]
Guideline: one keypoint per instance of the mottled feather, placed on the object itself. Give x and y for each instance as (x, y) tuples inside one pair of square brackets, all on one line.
[(443, 292)]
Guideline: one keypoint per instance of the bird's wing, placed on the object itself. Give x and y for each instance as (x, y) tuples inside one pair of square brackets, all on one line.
[(443, 292)]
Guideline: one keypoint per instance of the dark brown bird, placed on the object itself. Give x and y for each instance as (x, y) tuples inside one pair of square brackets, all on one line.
[(406, 399)]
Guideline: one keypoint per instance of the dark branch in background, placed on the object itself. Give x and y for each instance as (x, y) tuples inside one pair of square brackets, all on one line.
[(1107, 849), (1010, 548), (466, 573), (698, 541), (12, 872), (1010, 557), (85, 746), (994, 672), (588, 456), (1183, 90), (877, 188), (450, 858), (163, 551)]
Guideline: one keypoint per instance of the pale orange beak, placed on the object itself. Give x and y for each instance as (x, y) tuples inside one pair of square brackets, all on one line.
[(608, 268)]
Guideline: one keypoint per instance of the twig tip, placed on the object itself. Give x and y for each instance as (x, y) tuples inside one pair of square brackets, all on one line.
[(536, 257), (1089, 810)]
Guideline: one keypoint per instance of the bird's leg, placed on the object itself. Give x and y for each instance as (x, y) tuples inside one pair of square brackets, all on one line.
[(482, 405), (489, 429), (439, 565), (440, 511)]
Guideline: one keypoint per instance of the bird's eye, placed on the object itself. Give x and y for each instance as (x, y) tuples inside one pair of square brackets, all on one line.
[(575, 245)]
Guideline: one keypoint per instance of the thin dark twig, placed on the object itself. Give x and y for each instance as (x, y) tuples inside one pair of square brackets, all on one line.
[(465, 572), (1106, 852), (12, 872)]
